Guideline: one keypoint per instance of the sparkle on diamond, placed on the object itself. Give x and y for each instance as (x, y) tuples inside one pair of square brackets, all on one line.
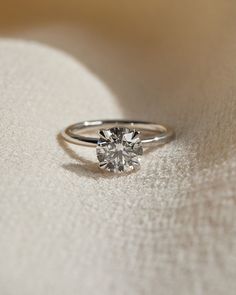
[(119, 149)]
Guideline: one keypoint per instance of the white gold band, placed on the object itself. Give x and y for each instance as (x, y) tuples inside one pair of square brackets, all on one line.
[(160, 134)]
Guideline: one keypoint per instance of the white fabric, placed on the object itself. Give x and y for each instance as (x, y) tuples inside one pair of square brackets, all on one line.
[(66, 228)]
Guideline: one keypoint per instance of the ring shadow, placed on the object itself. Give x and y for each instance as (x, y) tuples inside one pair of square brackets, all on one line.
[(84, 166)]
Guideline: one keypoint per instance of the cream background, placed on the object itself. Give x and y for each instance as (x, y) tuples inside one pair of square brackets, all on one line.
[(65, 228)]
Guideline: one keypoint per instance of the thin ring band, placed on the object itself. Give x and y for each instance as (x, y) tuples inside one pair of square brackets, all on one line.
[(162, 134)]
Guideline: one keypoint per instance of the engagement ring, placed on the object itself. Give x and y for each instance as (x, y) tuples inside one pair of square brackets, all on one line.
[(120, 143)]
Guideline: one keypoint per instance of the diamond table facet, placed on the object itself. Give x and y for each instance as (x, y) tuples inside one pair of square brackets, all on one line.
[(119, 149)]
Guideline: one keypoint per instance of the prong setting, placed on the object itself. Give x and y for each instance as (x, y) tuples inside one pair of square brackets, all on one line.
[(119, 149)]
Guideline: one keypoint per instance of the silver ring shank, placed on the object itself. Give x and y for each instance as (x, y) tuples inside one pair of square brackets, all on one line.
[(161, 134)]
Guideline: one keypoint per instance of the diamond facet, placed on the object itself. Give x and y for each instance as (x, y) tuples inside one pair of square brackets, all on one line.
[(119, 149)]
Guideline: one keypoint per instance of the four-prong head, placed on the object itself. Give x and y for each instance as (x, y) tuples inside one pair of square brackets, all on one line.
[(119, 149)]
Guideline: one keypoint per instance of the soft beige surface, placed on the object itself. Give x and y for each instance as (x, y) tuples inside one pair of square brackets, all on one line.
[(67, 229)]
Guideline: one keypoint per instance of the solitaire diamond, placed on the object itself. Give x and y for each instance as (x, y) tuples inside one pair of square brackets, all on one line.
[(119, 149)]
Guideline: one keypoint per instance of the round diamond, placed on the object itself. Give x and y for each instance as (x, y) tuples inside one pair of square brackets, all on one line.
[(119, 149)]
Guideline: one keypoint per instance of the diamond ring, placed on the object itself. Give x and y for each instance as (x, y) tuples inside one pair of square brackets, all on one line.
[(120, 143)]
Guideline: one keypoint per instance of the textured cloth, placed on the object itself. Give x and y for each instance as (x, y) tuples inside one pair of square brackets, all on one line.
[(67, 228)]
